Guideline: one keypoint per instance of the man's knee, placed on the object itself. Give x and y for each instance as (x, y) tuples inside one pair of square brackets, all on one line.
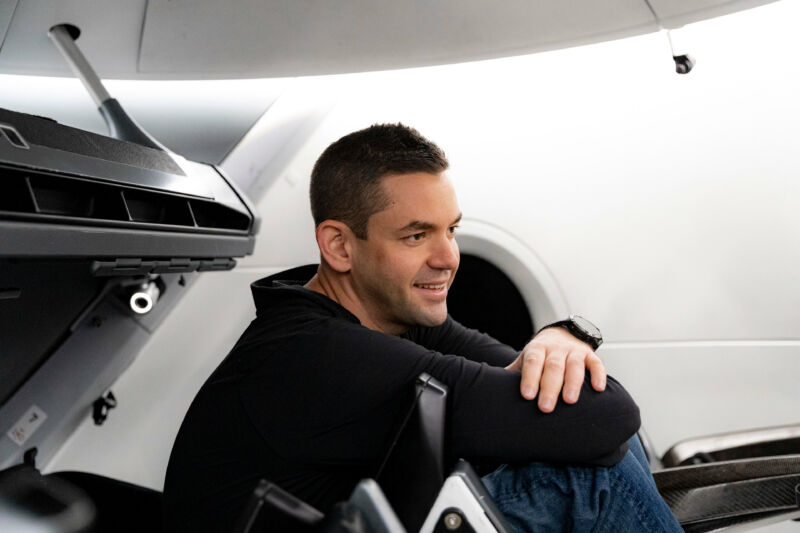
[(546, 497)]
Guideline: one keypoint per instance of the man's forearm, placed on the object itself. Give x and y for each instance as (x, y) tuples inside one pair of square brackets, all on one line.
[(499, 425)]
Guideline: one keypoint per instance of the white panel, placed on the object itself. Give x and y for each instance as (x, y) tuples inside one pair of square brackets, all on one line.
[(251, 38), (110, 36), (291, 37), (676, 13), (692, 389), (286, 236), (273, 141), (6, 13)]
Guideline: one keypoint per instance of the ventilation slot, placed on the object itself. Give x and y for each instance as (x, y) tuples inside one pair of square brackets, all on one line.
[(158, 209), (75, 198), (56, 198), (209, 215), (16, 195)]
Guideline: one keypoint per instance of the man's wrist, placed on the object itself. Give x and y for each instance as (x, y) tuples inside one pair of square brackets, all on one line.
[(580, 328)]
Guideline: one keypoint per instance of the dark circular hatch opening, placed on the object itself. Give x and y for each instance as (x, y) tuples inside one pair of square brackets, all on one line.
[(484, 298)]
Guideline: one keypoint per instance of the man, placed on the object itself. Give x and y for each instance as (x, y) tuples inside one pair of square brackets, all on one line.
[(312, 394)]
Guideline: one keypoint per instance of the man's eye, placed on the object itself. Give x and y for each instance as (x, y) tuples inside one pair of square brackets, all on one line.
[(452, 229), (416, 237)]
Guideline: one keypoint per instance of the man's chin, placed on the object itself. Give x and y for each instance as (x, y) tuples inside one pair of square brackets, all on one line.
[(432, 317)]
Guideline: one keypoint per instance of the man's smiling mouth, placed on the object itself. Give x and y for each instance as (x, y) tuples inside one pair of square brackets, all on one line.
[(429, 286)]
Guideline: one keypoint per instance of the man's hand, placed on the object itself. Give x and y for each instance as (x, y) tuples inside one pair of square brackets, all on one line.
[(554, 359)]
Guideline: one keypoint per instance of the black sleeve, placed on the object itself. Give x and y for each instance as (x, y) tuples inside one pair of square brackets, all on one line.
[(452, 337), (491, 409), (338, 389), (490, 421)]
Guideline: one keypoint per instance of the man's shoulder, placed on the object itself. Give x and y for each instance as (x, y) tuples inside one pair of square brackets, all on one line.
[(291, 318)]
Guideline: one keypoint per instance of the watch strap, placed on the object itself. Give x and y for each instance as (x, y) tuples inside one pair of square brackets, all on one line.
[(576, 331)]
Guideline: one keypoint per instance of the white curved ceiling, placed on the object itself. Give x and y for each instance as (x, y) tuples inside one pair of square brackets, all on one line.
[(210, 39)]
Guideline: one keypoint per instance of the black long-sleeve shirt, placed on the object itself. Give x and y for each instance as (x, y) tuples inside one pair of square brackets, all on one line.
[(310, 400)]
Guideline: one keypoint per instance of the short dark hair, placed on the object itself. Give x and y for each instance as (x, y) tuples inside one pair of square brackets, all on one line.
[(345, 182)]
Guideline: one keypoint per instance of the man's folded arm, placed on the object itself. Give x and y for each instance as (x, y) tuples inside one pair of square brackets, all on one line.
[(490, 421)]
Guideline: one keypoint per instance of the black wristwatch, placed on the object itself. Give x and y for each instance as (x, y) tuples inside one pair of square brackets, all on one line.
[(581, 328)]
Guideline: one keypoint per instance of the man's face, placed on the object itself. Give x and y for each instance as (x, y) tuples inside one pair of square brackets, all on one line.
[(403, 270)]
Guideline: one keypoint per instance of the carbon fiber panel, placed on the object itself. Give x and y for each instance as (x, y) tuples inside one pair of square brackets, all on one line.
[(696, 476), (754, 521), (728, 500)]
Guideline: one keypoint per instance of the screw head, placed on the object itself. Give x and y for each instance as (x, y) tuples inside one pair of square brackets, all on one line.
[(452, 521)]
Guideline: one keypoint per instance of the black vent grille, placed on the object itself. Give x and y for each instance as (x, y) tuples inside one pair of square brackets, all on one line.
[(68, 199), (158, 208)]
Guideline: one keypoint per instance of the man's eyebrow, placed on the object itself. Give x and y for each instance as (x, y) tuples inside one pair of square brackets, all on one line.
[(417, 225), (421, 225)]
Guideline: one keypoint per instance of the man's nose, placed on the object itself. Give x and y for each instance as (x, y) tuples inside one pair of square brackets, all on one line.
[(445, 255)]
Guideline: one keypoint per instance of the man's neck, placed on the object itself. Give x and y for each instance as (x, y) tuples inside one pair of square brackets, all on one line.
[(338, 288)]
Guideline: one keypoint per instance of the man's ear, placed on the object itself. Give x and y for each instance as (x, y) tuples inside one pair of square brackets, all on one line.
[(334, 239)]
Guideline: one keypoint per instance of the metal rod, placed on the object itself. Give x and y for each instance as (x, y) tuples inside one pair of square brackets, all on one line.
[(62, 38), (671, 47), (120, 125)]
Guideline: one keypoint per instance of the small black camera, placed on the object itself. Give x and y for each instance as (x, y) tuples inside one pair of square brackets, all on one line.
[(683, 63)]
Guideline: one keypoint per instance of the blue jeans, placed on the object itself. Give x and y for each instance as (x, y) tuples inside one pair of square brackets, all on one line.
[(543, 497)]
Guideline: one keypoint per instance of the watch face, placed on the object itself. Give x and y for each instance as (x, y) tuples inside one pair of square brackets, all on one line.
[(586, 326)]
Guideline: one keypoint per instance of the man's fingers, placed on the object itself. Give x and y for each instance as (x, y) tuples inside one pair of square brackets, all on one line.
[(552, 380), (574, 375), (598, 372), (533, 361)]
